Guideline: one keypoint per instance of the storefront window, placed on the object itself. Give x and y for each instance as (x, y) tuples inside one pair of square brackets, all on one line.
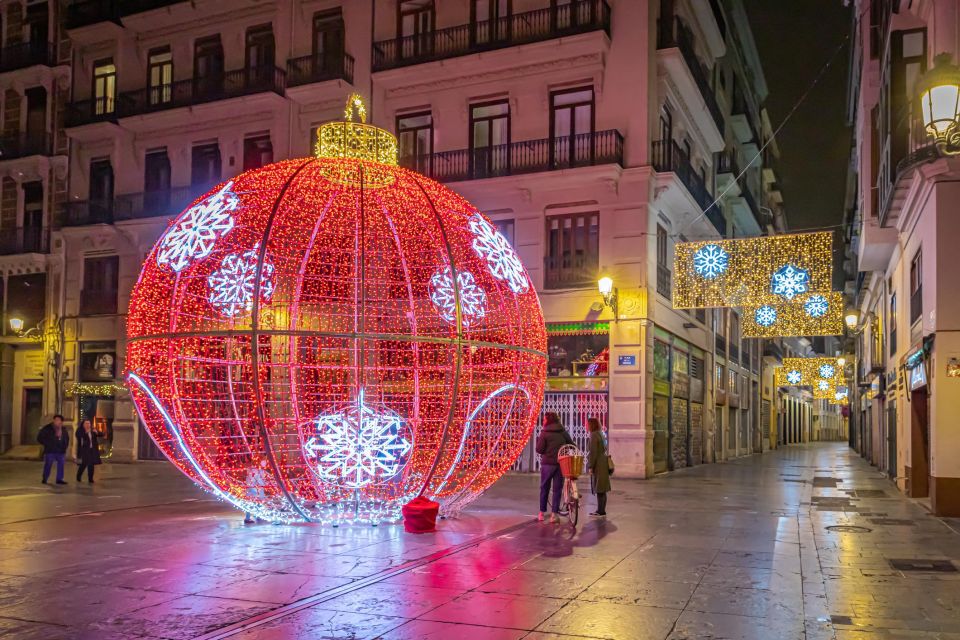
[(578, 362)]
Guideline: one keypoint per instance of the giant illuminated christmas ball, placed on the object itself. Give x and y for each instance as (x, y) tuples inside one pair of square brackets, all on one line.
[(325, 339)]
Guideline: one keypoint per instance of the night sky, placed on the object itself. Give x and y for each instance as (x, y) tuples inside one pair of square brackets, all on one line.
[(795, 39)]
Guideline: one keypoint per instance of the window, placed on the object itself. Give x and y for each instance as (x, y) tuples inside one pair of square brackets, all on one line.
[(36, 113), (415, 21), (415, 136), (505, 227), (734, 381), (490, 20), (893, 324), (38, 24), (260, 53), (734, 332), (666, 124), (98, 361), (208, 69), (328, 40), (156, 182), (32, 217), (101, 190), (205, 165), (160, 76), (721, 377), (573, 250), (104, 86), (571, 127), (489, 138), (100, 276), (257, 151), (916, 287), (663, 271)]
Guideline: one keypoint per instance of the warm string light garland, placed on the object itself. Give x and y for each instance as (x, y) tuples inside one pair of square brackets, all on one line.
[(823, 375), (810, 314), (767, 270), (307, 356)]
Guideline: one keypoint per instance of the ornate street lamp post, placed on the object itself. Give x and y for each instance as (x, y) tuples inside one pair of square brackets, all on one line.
[(939, 91)]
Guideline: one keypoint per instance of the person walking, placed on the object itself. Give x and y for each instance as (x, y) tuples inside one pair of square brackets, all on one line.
[(598, 463), (56, 443), (88, 449), (551, 438)]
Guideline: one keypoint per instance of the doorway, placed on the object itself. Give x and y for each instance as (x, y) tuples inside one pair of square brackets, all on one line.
[(892, 438), (919, 476), (32, 416)]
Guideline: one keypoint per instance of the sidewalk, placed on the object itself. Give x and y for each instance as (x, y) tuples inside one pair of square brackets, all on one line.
[(737, 550)]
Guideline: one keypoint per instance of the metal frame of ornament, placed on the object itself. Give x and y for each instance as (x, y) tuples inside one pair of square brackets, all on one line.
[(794, 320), (751, 265)]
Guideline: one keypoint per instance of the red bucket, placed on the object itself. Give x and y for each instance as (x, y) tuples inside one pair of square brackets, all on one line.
[(420, 515)]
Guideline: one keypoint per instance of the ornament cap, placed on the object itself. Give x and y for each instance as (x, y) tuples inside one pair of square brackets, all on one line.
[(358, 140)]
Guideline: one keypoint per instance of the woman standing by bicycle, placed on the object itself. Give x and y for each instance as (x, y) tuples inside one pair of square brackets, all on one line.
[(598, 464), (551, 438)]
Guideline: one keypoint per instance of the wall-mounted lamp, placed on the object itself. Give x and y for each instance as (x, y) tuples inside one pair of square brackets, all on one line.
[(852, 319), (609, 293), (16, 324), (939, 90)]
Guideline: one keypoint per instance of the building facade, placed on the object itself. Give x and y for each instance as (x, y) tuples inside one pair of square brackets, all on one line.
[(596, 134), (905, 226)]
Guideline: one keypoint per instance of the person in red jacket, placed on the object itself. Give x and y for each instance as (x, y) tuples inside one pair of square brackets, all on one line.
[(551, 438)]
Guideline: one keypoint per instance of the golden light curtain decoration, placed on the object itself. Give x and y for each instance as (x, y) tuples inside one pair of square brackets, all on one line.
[(813, 373), (760, 271), (809, 314)]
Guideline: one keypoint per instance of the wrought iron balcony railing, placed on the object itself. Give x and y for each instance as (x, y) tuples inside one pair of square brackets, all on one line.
[(516, 158), (319, 68), (132, 206), (26, 54), (673, 32), (89, 111), (577, 16), (25, 144), (668, 156), (569, 271), (83, 212), (24, 240), (185, 93)]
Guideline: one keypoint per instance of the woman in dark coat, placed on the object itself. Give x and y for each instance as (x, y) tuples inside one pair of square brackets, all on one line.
[(88, 450), (597, 463)]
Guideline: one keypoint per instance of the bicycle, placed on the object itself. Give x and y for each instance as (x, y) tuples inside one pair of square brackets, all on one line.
[(571, 466)]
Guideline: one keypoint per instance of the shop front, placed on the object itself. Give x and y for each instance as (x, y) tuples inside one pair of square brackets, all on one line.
[(678, 390)]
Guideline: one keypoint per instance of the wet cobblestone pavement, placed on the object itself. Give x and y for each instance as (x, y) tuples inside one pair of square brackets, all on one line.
[(805, 542)]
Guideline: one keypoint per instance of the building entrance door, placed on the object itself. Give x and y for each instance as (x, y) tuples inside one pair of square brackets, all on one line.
[(573, 408), (31, 419), (892, 438), (919, 475)]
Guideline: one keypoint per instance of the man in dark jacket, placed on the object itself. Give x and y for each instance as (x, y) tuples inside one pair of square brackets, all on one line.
[(56, 442), (551, 438)]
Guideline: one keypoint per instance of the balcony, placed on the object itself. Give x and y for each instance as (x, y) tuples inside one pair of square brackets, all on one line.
[(672, 33), (517, 158), (194, 91), (91, 111), (570, 271), (663, 281), (24, 240), (83, 212), (669, 157), (94, 302), (315, 68), (26, 54), (580, 16), (25, 144), (83, 13)]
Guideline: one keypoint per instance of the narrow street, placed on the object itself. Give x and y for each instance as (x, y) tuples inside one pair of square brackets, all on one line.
[(805, 542)]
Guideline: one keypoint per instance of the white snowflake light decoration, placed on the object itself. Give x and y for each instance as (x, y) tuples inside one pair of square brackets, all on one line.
[(359, 445), (790, 281), (765, 316), (823, 385), (194, 235), (233, 283), (501, 259), (710, 261), (827, 371), (840, 395), (794, 377), (816, 306), (473, 300)]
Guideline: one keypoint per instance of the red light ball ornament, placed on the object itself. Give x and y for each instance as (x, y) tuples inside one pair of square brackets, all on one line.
[(326, 339)]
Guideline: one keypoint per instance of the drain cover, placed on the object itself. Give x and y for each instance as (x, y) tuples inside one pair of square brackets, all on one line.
[(849, 528), (921, 564)]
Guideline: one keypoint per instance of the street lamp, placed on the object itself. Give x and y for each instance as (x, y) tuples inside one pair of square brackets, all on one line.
[(609, 293), (16, 324), (939, 91), (852, 319), (841, 361)]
